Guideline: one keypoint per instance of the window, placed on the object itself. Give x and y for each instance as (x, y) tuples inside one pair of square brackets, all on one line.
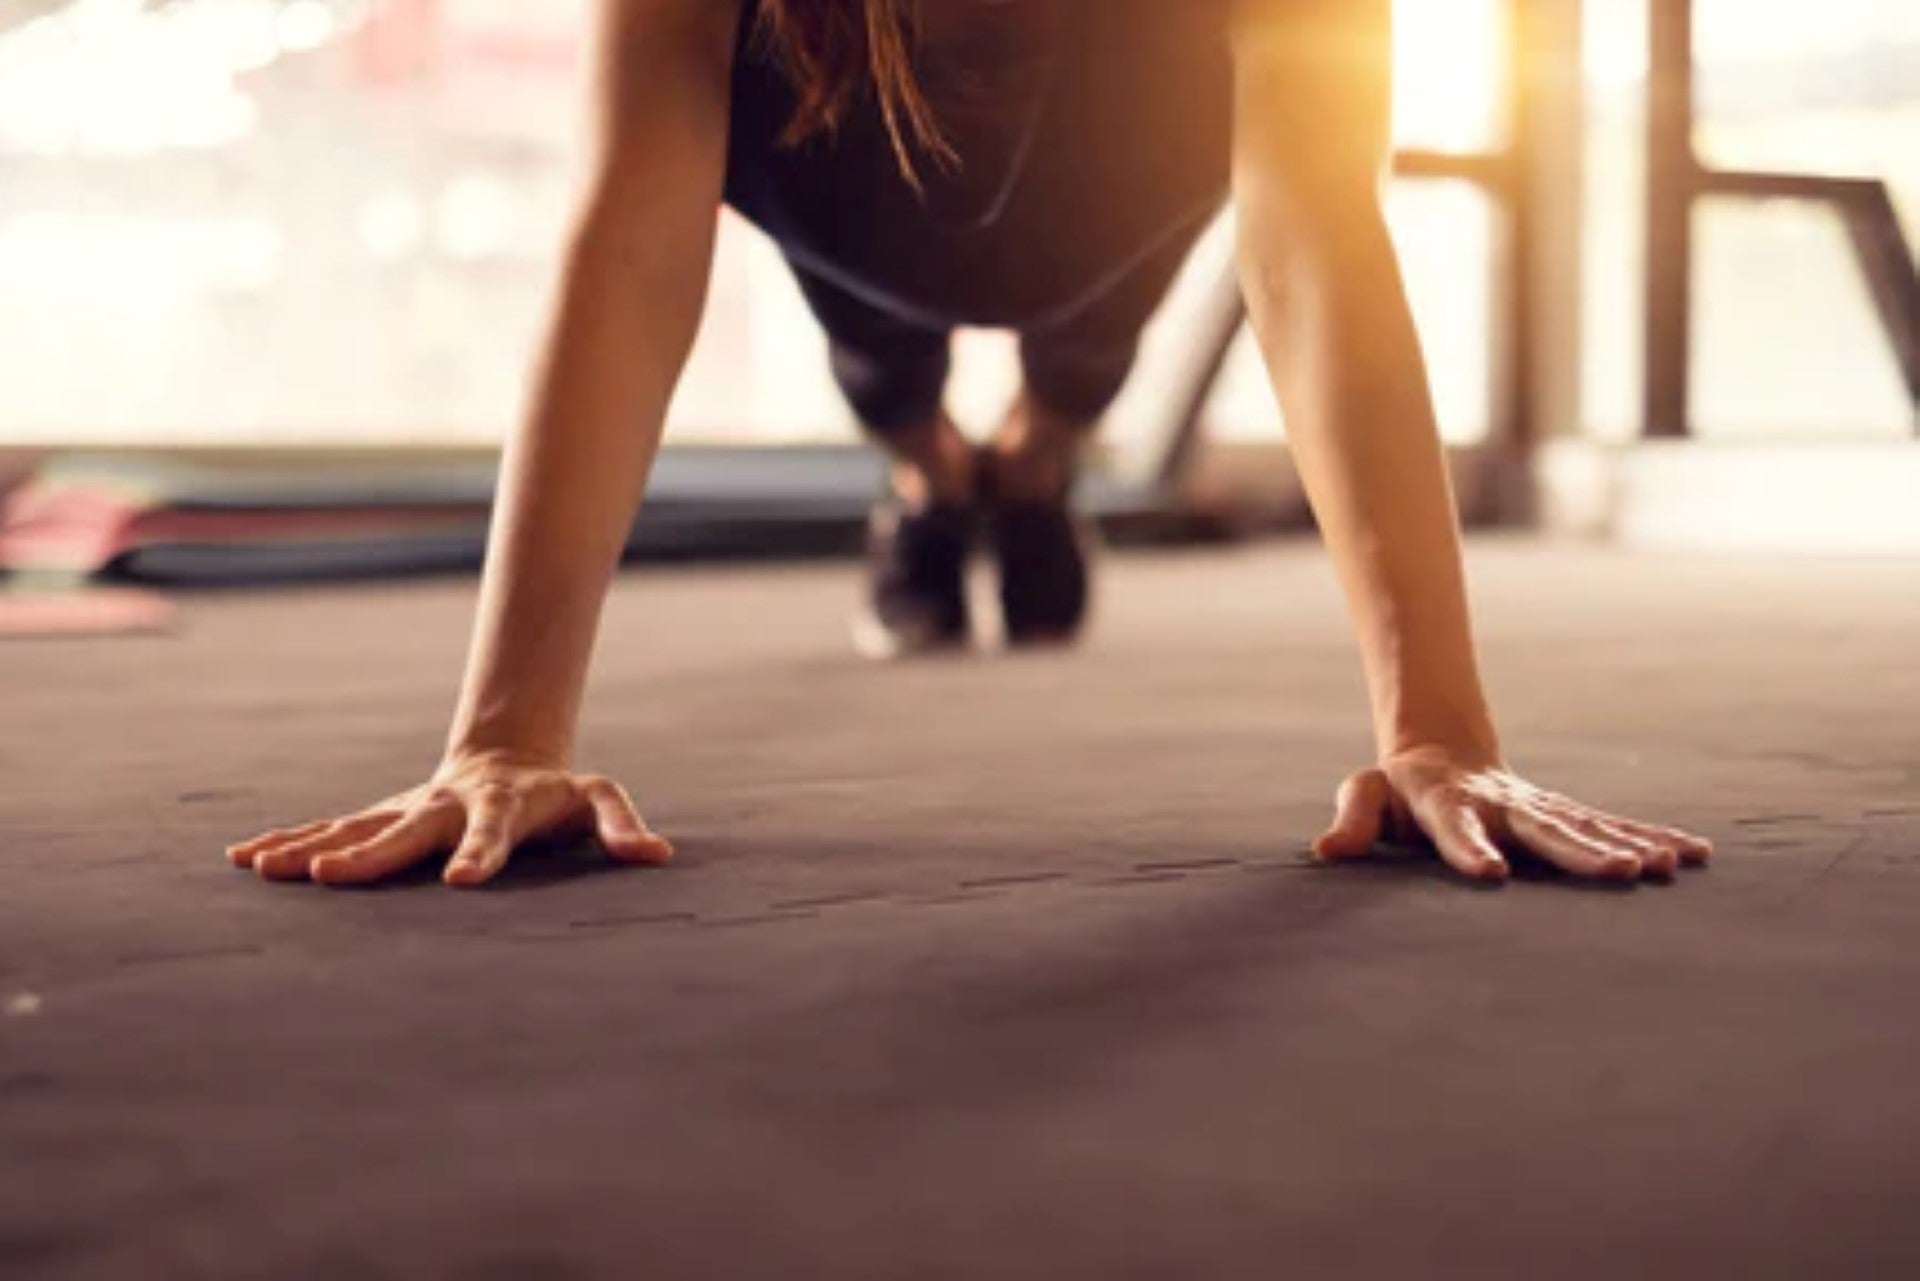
[(1785, 338), (332, 222)]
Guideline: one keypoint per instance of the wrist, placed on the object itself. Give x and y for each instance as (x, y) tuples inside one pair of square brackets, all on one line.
[(466, 751), (1462, 734), (511, 731), (1453, 753)]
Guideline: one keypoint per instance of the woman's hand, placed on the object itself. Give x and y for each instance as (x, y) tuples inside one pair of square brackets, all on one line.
[(1477, 814), (479, 808)]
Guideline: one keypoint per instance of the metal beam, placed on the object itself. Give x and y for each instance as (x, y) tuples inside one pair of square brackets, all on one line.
[(1677, 182), (1673, 176)]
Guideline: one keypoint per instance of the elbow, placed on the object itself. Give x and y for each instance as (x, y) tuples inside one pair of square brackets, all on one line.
[(631, 215), (615, 188), (1317, 266), (1311, 211), (1302, 233)]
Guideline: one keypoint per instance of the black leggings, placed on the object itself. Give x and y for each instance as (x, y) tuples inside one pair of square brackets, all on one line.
[(893, 370)]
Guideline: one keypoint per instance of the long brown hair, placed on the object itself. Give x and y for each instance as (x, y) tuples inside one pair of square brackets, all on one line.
[(838, 51)]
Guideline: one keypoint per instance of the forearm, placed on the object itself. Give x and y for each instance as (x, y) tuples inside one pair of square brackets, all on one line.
[(1333, 321), (570, 483), (633, 280)]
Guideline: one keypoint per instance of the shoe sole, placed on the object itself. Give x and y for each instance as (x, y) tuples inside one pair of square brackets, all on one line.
[(876, 642)]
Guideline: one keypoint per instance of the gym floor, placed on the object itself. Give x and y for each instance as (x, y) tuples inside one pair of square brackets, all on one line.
[(995, 967)]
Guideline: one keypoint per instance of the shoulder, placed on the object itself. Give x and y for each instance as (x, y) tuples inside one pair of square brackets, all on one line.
[(649, 48), (1310, 28), (660, 25)]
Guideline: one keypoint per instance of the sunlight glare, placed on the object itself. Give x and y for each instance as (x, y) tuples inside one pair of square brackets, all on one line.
[(1447, 68)]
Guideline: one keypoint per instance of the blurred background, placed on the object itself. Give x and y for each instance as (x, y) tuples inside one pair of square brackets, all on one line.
[(275, 239)]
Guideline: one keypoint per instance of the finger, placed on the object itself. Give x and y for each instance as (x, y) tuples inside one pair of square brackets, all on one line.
[(407, 841), (274, 836), (240, 853), (1694, 851), (488, 840), (618, 826), (243, 853), (1359, 816), (1548, 837), (1462, 839), (1657, 857), (288, 859), (289, 862)]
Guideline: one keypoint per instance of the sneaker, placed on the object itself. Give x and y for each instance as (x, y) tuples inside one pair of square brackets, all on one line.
[(916, 581), (1044, 553)]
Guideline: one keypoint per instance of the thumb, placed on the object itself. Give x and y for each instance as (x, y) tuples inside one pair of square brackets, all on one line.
[(618, 827), (1360, 810)]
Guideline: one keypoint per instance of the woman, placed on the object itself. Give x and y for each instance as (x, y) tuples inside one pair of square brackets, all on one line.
[(1035, 164)]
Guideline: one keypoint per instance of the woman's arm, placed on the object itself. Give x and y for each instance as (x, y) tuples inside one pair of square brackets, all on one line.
[(633, 280), (1323, 287)]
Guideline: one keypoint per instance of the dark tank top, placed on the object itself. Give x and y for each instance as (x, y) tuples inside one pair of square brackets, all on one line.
[(1089, 136)]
